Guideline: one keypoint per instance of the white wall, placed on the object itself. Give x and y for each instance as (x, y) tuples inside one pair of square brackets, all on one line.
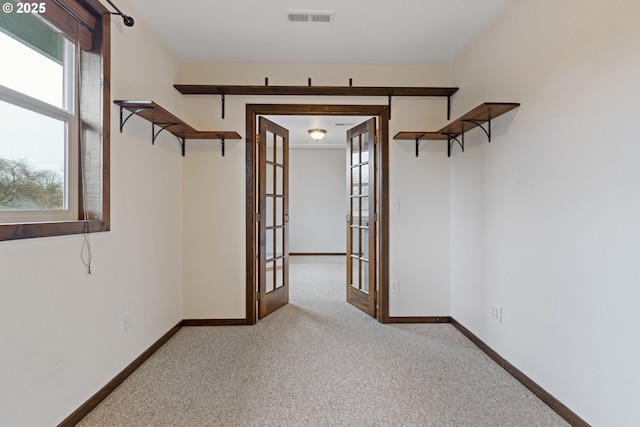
[(545, 218), (317, 200), (61, 338), (214, 187)]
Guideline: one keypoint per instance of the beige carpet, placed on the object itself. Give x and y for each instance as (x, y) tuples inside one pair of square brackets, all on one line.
[(321, 362)]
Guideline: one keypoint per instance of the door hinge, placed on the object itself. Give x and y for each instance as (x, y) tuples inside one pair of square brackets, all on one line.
[(258, 139), (258, 217), (257, 296), (376, 217)]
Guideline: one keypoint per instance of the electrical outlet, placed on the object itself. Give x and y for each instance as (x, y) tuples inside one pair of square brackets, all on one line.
[(496, 313), (127, 322), (395, 286)]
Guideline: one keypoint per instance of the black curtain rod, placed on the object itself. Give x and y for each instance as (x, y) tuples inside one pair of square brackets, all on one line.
[(128, 21)]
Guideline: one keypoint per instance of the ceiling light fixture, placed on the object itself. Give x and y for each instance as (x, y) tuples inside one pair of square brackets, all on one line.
[(317, 134)]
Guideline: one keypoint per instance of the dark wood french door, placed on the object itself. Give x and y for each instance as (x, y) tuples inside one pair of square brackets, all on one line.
[(273, 195), (361, 219)]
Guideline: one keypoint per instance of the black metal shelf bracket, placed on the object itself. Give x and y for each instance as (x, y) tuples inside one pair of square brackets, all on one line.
[(165, 126), (449, 107), (451, 138), (223, 106), (417, 146), (133, 113), (478, 123), (390, 96), (222, 145)]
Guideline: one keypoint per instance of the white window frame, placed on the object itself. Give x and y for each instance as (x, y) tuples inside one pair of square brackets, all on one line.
[(69, 115)]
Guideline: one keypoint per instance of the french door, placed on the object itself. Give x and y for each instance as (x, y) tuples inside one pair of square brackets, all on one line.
[(361, 217), (273, 217)]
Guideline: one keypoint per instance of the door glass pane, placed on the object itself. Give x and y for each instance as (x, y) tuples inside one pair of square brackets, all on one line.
[(364, 211), (364, 180), (355, 211), (269, 286), (365, 157), (279, 150), (355, 181), (364, 177), (364, 266), (279, 273), (279, 181), (269, 211), (269, 249), (279, 242), (355, 275), (365, 243), (355, 151), (270, 148), (355, 241), (269, 178), (279, 211), (365, 145)]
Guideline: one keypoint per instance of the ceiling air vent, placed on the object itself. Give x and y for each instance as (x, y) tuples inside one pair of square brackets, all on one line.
[(310, 16)]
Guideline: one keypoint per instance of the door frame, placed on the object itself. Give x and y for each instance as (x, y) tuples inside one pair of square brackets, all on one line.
[(382, 113)]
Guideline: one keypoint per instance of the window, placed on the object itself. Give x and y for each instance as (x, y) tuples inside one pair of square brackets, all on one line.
[(39, 138), (54, 123)]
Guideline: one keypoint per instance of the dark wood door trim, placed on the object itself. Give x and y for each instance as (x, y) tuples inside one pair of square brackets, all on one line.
[(380, 111)]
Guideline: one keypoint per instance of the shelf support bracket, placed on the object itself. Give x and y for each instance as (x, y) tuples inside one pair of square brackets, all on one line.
[(451, 138), (163, 126), (133, 113), (223, 105), (417, 146), (390, 96), (222, 145), (449, 107), (487, 131)]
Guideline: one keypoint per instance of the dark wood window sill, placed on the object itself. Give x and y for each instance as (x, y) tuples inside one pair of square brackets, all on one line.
[(30, 230)]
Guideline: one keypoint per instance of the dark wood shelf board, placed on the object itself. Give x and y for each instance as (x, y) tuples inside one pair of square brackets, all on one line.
[(475, 118), (226, 135), (420, 136), (154, 113), (315, 90), (164, 120), (481, 114)]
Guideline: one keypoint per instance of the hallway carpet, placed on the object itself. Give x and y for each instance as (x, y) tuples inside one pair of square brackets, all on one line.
[(320, 362)]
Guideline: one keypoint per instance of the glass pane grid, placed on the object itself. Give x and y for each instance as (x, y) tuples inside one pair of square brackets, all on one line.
[(33, 160)]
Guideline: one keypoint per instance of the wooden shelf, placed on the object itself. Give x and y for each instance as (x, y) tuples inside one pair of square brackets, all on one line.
[(483, 113), (420, 136), (388, 91), (162, 118), (315, 90)]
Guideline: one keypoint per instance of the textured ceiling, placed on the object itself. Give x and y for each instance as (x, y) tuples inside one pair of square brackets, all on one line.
[(362, 32)]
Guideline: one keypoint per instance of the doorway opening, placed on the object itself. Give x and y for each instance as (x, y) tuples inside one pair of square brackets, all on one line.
[(373, 226)]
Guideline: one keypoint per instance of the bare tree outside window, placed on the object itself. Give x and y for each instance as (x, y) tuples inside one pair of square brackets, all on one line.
[(26, 188)]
